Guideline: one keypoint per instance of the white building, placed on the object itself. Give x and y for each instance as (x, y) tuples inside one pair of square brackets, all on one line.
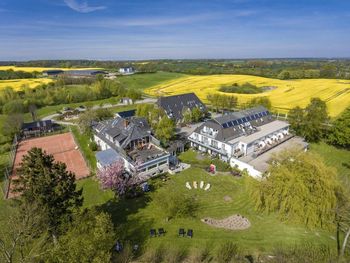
[(126, 70), (249, 132)]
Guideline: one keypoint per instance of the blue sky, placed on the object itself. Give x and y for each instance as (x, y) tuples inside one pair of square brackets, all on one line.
[(153, 29)]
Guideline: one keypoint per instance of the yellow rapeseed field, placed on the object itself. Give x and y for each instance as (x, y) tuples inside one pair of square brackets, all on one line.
[(38, 69), (19, 84), (284, 94)]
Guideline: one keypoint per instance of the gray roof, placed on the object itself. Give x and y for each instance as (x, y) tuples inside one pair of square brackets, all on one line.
[(174, 105), (238, 124), (123, 131), (84, 72), (107, 157)]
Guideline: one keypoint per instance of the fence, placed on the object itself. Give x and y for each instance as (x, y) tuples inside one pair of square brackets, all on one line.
[(9, 167)]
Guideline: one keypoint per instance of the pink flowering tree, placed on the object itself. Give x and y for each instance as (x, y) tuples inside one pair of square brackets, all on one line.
[(113, 177)]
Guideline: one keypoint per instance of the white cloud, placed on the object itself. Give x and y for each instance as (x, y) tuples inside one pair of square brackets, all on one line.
[(82, 7)]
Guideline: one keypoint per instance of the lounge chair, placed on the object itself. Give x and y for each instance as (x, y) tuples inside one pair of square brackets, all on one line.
[(201, 185), (118, 246), (207, 187), (190, 233), (153, 233), (188, 186), (182, 232), (161, 232), (195, 184)]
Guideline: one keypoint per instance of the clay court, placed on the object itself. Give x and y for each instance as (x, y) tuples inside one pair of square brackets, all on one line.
[(62, 147)]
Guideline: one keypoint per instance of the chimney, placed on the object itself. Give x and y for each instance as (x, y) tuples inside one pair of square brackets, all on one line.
[(126, 123)]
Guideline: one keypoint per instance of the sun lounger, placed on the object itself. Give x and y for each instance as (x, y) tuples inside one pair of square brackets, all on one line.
[(161, 232), (190, 233), (201, 185), (188, 186), (195, 184), (182, 232), (153, 233), (207, 187)]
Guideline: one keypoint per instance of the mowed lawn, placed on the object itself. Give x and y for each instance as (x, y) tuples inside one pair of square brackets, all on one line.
[(335, 157), (147, 80), (284, 95)]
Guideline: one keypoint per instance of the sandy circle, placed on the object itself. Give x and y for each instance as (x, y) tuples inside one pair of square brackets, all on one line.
[(234, 222)]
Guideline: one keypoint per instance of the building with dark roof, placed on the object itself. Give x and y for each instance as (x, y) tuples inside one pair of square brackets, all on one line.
[(52, 72), (126, 114), (238, 134), (174, 106), (36, 128), (132, 140), (84, 73)]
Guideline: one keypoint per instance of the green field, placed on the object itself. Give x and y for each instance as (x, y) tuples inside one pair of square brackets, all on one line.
[(147, 80)]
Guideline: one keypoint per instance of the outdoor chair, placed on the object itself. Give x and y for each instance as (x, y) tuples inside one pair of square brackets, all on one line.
[(153, 233), (118, 246), (182, 232), (190, 233), (161, 232)]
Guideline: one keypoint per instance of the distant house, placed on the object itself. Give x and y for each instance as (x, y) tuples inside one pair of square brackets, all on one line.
[(36, 128), (131, 141), (174, 106), (126, 101), (127, 70), (52, 73), (84, 73)]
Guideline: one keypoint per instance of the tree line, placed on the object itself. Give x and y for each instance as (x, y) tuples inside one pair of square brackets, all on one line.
[(62, 92)]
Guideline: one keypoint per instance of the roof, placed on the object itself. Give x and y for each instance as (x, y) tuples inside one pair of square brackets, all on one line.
[(84, 72), (36, 124), (263, 131), (53, 71), (127, 114), (237, 124), (123, 130), (107, 157), (174, 105)]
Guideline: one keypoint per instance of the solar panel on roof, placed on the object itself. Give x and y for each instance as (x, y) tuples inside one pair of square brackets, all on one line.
[(235, 122), (229, 124), (259, 114), (225, 125), (244, 119)]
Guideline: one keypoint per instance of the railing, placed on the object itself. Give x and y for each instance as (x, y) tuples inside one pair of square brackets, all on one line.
[(221, 151)]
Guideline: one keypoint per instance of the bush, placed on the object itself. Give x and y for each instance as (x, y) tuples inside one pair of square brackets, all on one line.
[(5, 148), (14, 106), (226, 252), (174, 255), (245, 88), (154, 255), (93, 146)]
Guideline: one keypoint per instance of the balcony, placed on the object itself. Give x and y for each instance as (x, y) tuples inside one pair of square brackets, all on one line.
[(211, 147)]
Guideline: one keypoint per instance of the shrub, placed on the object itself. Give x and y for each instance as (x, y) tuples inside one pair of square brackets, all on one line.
[(5, 148), (93, 146), (154, 255)]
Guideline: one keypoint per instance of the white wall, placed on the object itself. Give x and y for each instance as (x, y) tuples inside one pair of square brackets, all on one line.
[(242, 165)]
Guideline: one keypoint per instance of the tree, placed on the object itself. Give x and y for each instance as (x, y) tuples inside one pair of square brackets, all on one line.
[(165, 130), (296, 120), (197, 114), (12, 124), (315, 117), (113, 177), (21, 235), (339, 133), (89, 238), (186, 116), (48, 184), (89, 116), (260, 101), (300, 188)]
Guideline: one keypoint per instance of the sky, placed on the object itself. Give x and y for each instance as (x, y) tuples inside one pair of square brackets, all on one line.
[(178, 29)]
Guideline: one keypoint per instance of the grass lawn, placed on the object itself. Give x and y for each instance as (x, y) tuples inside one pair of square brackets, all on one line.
[(83, 140), (335, 157), (146, 80), (135, 217)]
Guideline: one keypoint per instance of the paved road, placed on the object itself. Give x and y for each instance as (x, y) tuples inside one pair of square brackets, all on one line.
[(104, 106)]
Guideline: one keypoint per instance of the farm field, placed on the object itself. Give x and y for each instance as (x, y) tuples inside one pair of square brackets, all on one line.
[(284, 94), (19, 84), (38, 69)]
